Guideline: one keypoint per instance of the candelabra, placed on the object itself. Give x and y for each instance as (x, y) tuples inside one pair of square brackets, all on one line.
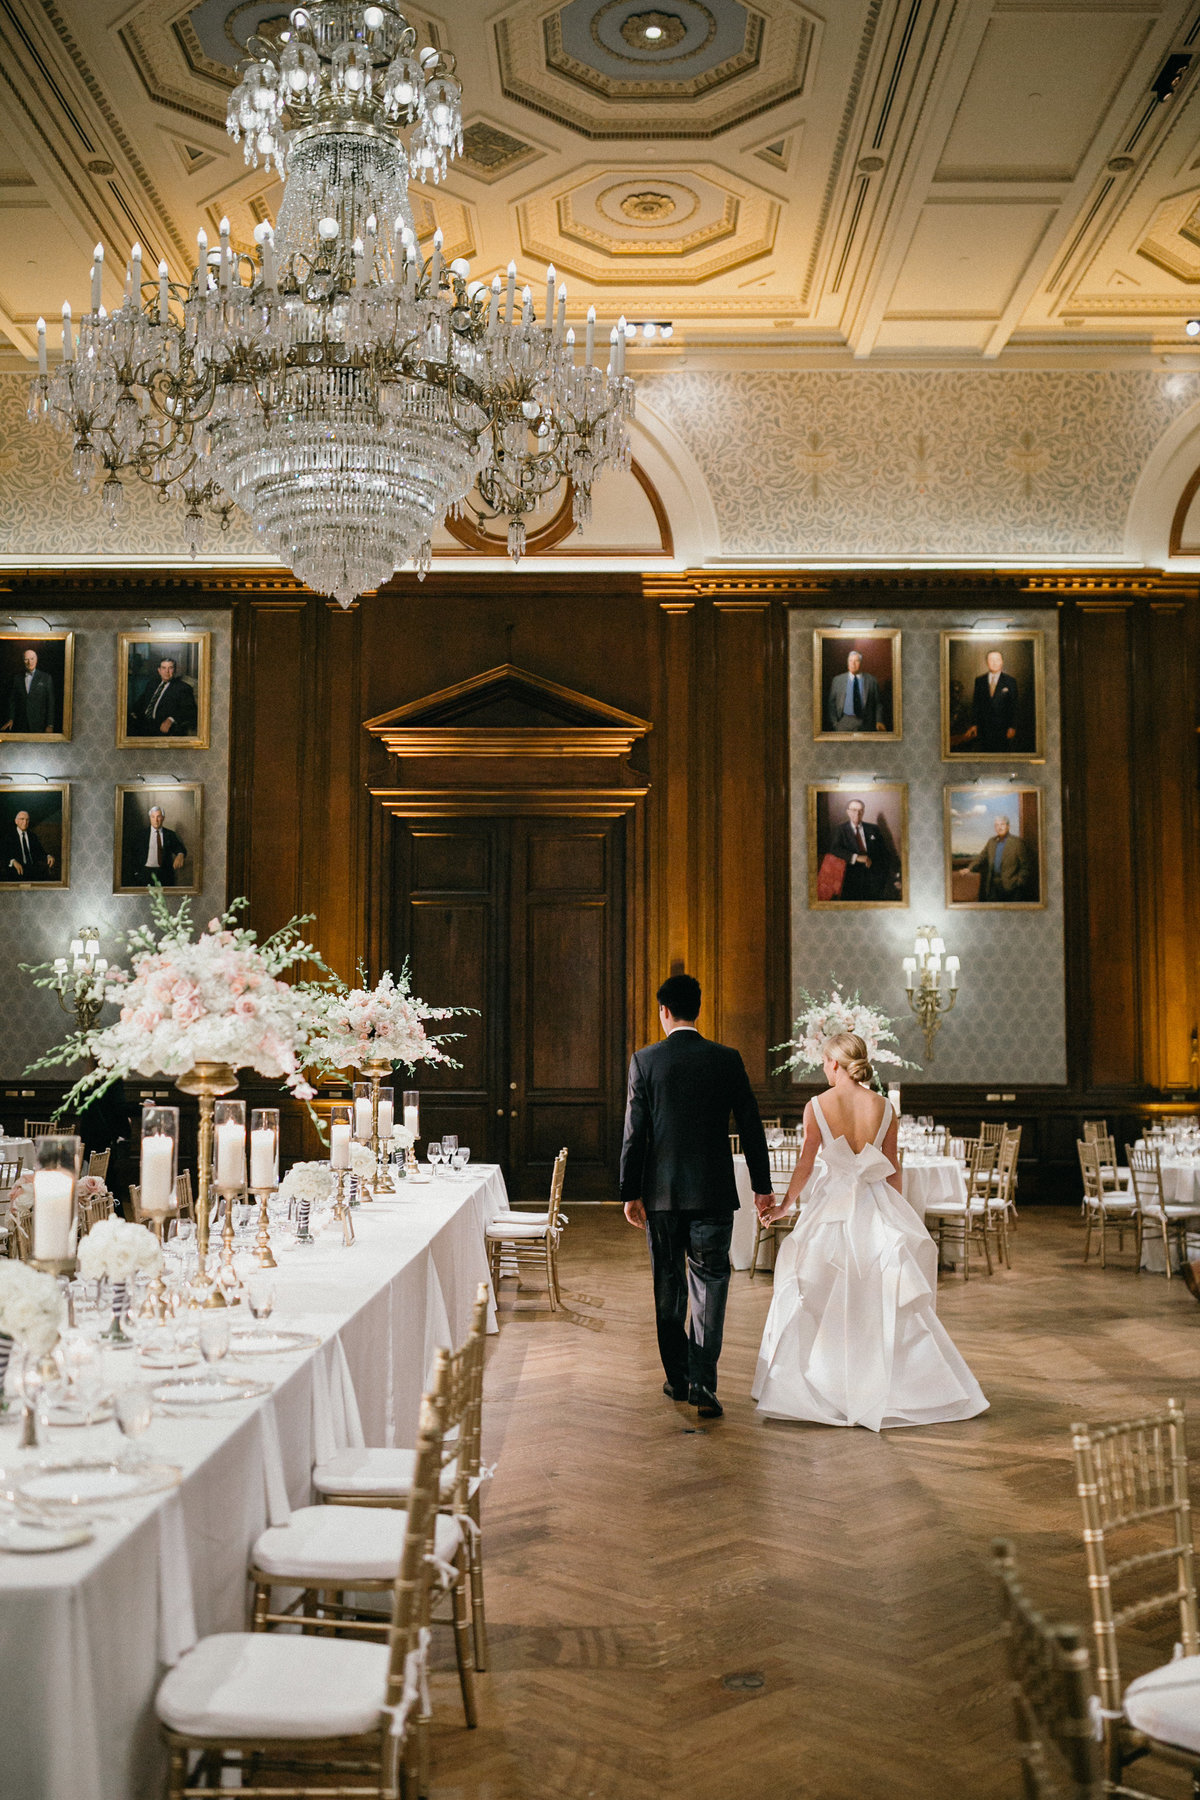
[(205, 1080), (79, 983), (923, 971)]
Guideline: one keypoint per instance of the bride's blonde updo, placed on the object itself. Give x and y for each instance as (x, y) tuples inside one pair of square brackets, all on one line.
[(849, 1052)]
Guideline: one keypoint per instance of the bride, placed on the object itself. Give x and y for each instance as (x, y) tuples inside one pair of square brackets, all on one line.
[(853, 1336)]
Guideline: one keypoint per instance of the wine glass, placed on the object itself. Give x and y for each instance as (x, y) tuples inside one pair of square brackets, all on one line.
[(449, 1145), (213, 1333), (433, 1150), (462, 1157), (134, 1409), (260, 1296)]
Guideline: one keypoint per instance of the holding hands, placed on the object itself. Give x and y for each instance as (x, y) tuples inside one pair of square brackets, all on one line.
[(769, 1208)]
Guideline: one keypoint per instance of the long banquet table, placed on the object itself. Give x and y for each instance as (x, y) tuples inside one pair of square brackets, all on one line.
[(85, 1634)]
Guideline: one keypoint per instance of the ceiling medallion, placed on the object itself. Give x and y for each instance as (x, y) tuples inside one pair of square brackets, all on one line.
[(648, 208), (653, 30), (341, 389)]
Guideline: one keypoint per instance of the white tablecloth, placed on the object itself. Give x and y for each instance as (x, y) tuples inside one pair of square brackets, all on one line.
[(741, 1249), (18, 1150), (1181, 1187), (930, 1179), (85, 1634)]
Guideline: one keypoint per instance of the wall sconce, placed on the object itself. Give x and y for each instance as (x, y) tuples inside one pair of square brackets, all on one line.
[(923, 972), (79, 978)]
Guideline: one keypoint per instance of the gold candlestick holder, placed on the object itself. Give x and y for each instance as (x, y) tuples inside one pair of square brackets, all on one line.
[(376, 1072), (207, 1081), (156, 1299), (265, 1256), (228, 1276), (341, 1209)]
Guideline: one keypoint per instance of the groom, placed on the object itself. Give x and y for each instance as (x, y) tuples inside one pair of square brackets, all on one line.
[(677, 1181)]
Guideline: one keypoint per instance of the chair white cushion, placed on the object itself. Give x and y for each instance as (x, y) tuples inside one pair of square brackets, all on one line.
[(1165, 1704), (377, 1471), (512, 1230), (338, 1545), (263, 1685), (506, 1216)]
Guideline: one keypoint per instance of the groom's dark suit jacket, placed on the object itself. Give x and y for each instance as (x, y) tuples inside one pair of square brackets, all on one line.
[(676, 1155)]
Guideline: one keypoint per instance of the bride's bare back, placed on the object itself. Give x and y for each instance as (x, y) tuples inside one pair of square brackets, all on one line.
[(853, 1112)]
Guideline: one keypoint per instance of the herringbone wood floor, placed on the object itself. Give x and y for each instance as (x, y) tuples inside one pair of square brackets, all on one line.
[(635, 1562)]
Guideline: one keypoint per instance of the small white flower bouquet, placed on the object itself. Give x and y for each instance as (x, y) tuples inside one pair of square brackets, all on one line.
[(826, 1016), (116, 1251), (311, 1181), (31, 1308), (402, 1137), (362, 1162)]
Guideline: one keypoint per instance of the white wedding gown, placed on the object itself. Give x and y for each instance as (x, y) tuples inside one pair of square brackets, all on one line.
[(853, 1336)]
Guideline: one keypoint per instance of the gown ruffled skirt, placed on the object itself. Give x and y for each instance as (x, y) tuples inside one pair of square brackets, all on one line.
[(853, 1336)]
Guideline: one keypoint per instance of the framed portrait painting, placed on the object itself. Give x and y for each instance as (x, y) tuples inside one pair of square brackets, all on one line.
[(35, 835), (993, 696), (159, 837), (164, 693), (856, 684), (857, 844), (995, 850), (37, 680)]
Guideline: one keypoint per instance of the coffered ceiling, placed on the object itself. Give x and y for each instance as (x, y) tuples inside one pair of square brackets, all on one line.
[(940, 181)]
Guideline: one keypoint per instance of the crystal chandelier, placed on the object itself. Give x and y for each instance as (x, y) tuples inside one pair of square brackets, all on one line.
[(342, 389)]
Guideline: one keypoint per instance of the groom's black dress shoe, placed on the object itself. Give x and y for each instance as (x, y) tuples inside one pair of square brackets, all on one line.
[(706, 1404), (675, 1391)]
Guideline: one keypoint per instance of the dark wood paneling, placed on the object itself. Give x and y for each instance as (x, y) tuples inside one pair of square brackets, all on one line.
[(744, 925)]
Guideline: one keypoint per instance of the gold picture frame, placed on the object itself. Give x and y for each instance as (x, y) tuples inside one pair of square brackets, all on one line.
[(55, 664), (182, 803), (49, 828), (967, 833), (964, 666), (885, 820), (880, 653), (140, 656)]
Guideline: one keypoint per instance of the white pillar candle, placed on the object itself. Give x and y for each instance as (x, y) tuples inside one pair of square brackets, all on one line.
[(53, 1194), (412, 1120), (97, 275), (589, 355), (68, 340), (386, 1117), (164, 294), (362, 1119), (41, 338), (339, 1146), (158, 1195), (231, 1154), (263, 1166), (551, 277), (510, 293)]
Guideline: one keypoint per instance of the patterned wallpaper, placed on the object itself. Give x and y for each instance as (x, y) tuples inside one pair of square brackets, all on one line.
[(38, 924), (866, 463), (852, 463), (1009, 1024)]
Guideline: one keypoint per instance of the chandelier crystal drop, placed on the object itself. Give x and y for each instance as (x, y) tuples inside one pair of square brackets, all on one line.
[(340, 387)]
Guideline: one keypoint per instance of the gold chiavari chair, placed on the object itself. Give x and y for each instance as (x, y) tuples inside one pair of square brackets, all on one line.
[(1051, 1689), (783, 1161), (531, 1238), (92, 1210), (381, 1477), (1132, 1481), (971, 1221), (319, 1707), (20, 1233), (1102, 1205), (992, 1134), (1113, 1178), (98, 1164), (1094, 1128), (1145, 1169), (184, 1202), (772, 1124), (9, 1175), (735, 1144), (335, 1555)]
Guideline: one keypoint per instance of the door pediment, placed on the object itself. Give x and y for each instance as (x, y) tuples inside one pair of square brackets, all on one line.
[(504, 712)]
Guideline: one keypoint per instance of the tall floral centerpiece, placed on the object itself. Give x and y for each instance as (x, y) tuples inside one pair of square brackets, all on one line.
[(826, 1015), (372, 1029), (31, 1313), (199, 1006)]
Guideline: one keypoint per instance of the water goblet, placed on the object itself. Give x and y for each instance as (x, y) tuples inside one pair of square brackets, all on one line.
[(461, 1158), (213, 1333), (260, 1296), (433, 1151), (134, 1409)]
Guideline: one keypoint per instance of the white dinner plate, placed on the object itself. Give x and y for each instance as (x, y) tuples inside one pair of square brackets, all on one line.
[(182, 1358), (270, 1343), (26, 1539), (65, 1415), (58, 1487), (207, 1390)]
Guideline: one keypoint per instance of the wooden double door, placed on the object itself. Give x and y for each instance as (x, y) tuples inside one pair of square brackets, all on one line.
[(523, 919)]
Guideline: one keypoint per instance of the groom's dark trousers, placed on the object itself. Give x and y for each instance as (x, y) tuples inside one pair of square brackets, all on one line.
[(676, 1159)]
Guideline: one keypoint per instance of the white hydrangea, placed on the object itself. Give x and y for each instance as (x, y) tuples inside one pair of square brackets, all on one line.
[(31, 1308), (116, 1250), (311, 1181)]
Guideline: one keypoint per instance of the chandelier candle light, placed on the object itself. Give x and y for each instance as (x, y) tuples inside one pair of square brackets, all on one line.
[(342, 388), (923, 972)]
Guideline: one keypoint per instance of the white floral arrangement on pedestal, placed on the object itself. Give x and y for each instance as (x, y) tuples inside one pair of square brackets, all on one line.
[(827, 1015), (31, 1308), (311, 1181), (385, 1023), (116, 1251), (214, 997), (402, 1137), (362, 1162)]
